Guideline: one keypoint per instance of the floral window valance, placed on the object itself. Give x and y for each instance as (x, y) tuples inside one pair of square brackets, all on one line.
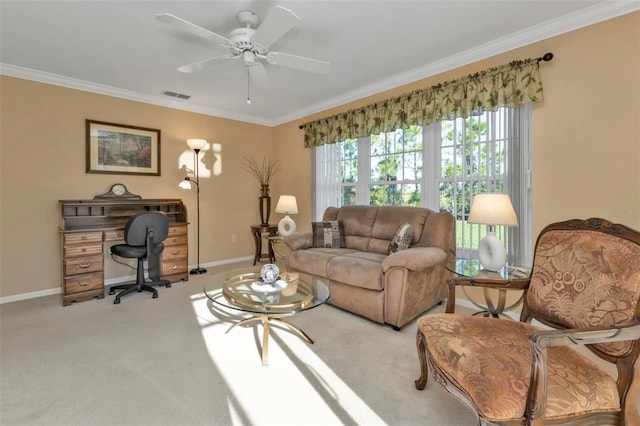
[(508, 85)]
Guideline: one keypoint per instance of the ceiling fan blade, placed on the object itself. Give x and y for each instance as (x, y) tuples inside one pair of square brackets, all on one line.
[(206, 63), (258, 73), (189, 27), (277, 24), (298, 62)]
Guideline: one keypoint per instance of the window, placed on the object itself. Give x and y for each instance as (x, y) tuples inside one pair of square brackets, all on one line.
[(441, 166)]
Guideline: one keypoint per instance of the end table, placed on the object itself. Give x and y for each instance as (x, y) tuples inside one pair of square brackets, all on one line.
[(274, 240), (469, 273), (257, 231)]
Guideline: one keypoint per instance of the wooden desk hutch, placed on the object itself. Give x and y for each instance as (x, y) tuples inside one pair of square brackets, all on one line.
[(85, 226)]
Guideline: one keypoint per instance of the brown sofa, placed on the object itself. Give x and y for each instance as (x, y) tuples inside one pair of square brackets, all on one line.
[(366, 280)]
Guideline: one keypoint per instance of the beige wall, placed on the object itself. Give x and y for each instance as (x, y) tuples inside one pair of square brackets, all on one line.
[(43, 161), (586, 153)]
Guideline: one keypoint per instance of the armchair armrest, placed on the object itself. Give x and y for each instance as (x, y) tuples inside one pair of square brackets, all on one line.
[(414, 258), (299, 241), (585, 336), (539, 341)]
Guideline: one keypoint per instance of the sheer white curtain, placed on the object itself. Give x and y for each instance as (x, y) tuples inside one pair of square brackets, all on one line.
[(326, 178), (518, 174)]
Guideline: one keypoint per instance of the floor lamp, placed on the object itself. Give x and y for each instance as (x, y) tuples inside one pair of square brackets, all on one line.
[(196, 145)]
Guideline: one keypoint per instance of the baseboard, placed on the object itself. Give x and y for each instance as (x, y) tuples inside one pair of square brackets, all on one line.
[(107, 283)]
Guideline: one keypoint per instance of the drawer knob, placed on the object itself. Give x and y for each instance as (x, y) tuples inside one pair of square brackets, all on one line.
[(174, 267), (84, 283), (84, 265), (175, 252), (84, 237)]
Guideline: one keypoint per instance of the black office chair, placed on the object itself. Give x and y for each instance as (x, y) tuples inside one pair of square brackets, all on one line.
[(143, 237)]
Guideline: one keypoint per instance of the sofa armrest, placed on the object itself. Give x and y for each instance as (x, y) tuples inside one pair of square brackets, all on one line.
[(299, 241), (415, 258)]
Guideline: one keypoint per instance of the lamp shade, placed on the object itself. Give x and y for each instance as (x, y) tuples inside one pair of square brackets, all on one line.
[(185, 183), (492, 209), (196, 143), (287, 204)]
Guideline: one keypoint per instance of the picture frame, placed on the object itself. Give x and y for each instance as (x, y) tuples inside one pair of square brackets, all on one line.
[(122, 149)]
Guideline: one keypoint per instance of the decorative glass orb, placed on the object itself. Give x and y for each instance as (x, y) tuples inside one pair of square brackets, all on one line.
[(269, 273)]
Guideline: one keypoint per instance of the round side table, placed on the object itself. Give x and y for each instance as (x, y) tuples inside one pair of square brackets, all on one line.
[(469, 273), (258, 231)]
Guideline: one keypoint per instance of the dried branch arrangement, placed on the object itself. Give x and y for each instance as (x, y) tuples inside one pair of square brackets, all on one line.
[(263, 171)]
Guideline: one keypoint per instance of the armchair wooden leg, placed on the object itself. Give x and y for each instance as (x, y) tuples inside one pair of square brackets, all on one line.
[(421, 382)]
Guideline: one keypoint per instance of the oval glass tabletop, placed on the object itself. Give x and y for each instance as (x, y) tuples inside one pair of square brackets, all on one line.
[(471, 268), (243, 289)]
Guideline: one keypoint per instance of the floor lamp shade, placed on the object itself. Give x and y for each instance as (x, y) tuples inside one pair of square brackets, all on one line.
[(492, 210), (287, 204), (197, 144)]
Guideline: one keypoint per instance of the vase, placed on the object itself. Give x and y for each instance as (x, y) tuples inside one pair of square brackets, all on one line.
[(265, 205)]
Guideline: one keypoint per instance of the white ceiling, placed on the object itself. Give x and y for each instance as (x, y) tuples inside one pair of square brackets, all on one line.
[(118, 48)]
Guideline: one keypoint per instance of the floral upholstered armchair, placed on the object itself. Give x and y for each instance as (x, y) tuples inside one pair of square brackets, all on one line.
[(585, 288)]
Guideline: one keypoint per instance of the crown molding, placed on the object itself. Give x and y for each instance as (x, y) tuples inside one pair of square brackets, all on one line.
[(87, 86), (588, 16)]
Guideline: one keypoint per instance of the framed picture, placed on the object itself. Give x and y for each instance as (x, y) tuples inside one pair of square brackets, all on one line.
[(121, 149)]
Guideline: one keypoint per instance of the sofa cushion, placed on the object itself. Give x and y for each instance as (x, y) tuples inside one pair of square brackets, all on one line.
[(357, 221), (313, 260), (329, 234), (357, 268), (402, 239), (390, 217)]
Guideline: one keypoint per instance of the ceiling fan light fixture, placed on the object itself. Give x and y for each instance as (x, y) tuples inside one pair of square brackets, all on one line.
[(249, 58)]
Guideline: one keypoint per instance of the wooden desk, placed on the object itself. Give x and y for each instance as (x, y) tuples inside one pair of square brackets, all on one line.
[(85, 225), (257, 231)]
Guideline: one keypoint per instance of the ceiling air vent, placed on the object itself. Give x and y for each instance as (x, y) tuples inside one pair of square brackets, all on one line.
[(176, 95)]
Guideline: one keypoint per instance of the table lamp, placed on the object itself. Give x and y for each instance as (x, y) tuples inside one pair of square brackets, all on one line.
[(492, 210), (287, 205)]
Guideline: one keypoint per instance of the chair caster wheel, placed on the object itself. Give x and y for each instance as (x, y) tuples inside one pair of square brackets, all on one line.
[(169, 285), (155, 296), (116, 301), (112, 292)]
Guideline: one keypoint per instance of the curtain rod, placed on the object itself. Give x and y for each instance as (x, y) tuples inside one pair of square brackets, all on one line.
[(544, 58)]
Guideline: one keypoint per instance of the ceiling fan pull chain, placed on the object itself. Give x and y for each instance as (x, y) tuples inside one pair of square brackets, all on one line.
[(248, 93)]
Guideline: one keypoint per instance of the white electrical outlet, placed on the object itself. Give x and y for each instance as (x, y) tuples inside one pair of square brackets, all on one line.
[(233, 238)]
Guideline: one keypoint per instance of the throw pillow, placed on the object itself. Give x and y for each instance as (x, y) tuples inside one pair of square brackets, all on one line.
[(402, 239), (328, 234)]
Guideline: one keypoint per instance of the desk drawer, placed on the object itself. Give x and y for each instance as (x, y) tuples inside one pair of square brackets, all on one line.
[(114, 235), (83, 238), (175, 252), (83, 250), (176, 240), (82, 265), (82, 283), (177, 230), (174, 267)]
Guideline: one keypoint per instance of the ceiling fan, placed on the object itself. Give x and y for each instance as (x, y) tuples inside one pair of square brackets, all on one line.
[(250, 43)]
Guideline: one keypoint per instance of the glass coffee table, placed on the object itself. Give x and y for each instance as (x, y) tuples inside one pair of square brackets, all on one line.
[(243, 290)]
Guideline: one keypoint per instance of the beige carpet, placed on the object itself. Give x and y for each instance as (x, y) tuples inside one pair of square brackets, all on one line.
[(168, 361)]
